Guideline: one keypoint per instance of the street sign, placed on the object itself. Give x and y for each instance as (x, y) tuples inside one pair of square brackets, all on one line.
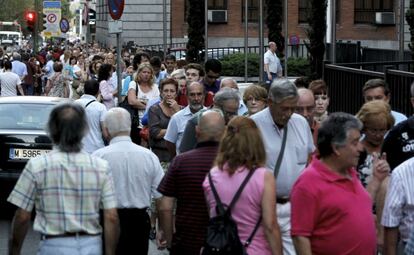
[(116, 8), (115, 27), (53, 13), (64, 25)]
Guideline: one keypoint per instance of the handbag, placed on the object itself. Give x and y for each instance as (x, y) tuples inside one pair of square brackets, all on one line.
[(132, 110), (144, 133)]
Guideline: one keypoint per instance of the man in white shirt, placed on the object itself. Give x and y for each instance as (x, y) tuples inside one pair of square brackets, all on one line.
[(95, 111), (272, 67), (275, 121), (137, 173), (9, 81)]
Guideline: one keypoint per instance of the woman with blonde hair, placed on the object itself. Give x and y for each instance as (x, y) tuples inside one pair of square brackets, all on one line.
[(242, 151), (140, 91), (372, 167)]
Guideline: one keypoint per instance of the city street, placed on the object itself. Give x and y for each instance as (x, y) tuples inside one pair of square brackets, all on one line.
[(32, 241)]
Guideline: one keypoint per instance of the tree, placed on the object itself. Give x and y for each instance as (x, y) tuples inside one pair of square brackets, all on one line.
[(316, 35), (195, 20), (409, 17), (274, 19)]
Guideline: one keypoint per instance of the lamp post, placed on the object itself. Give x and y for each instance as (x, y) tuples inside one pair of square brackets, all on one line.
[(246, 38), (261, 50)]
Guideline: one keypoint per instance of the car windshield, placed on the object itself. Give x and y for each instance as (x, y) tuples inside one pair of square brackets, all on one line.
[(24, 116)]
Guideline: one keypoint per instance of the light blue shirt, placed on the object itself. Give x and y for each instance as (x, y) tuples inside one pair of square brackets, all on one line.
[(136, 171), (176, 126), (19, 68), (398, 117), (94, 114), (299, 144), (161, 76)]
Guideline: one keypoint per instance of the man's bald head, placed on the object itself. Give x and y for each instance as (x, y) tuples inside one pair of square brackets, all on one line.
[(306, 104), (210, 126)]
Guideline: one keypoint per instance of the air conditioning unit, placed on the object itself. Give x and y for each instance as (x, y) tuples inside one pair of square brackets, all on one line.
[(217, 16), (384, 18)]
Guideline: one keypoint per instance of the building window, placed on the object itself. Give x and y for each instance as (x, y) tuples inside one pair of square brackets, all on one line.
[(365, 10), (253, 10), (304, 7), (217, 4)]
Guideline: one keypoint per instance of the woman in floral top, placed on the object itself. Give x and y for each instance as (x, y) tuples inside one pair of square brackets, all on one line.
[(377, 120), (57, 85)]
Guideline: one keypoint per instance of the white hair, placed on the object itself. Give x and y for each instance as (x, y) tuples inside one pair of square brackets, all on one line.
[(117, 120)]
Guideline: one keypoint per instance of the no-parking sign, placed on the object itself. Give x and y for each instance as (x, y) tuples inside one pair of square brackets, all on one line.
[(116, 8)]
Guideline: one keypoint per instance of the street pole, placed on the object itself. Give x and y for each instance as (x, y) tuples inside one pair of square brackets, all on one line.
[(164, 27), (333, 31), (401, 37), (118, 65), (261, 50), (205, 30), (286, 37), (36, 27), (246, 38)]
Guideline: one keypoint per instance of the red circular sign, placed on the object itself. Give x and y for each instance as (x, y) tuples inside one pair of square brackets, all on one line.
[(116, 8)]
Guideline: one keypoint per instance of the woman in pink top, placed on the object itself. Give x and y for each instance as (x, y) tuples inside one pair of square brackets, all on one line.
[(241, 150), (108, 94)]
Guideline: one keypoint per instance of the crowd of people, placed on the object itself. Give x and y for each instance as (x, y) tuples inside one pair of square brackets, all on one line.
[(311, 181)]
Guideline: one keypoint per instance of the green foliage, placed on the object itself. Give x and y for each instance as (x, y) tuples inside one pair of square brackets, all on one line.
[(274, 24), (233, 65), (409, 17), (195, 20)]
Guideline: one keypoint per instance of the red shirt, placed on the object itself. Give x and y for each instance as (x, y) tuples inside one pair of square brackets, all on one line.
[(334, 212)]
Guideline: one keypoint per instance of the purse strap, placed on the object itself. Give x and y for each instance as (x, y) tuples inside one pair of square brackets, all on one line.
[(233, 201), (281, 152)]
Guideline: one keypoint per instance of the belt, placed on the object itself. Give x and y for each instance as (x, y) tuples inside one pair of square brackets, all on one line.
[(75, 234), (282, 200)]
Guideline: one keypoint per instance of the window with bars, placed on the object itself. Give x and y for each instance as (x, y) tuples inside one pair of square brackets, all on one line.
[(364, 12), (252, 10), (304, 7)]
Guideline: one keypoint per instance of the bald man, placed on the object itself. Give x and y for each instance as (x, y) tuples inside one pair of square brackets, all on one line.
[(306, 108), (272, 67), (183, 182)]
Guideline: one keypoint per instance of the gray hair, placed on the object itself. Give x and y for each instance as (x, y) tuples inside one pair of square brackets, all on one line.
[(16, 56), (282, 89), (225, 94), (335, 130), (117, 120), (67, 125), (228, 80)]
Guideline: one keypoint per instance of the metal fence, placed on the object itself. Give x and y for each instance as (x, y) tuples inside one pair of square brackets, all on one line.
[(345, 86)]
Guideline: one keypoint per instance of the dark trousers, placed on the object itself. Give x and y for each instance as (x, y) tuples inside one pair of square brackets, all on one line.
[(135, 228)]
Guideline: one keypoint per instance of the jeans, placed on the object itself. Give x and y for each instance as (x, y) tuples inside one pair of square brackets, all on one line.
[(274, 76), (77, 245)]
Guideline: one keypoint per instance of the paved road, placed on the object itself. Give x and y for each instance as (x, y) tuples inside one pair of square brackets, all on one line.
[(32, 241)]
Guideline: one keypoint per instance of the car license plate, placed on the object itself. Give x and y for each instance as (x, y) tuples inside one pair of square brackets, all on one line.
[(25, 153)]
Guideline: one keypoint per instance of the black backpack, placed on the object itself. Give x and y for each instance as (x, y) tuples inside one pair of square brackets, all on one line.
[(222, 235)]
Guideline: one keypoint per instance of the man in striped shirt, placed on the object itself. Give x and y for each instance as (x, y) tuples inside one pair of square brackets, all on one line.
[(398, 213), (67, 187), (183, 181)]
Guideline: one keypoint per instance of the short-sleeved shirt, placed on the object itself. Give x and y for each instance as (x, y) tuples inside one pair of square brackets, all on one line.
[(248, 208), (398, 117), (95, 112), (145, 96), (136, 172), (399, 203), (8, 83), (299, 145), (273, 61), (184, 181), (333, 211), (177, 125), (399, 143), (19, 68), (67, 190)]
